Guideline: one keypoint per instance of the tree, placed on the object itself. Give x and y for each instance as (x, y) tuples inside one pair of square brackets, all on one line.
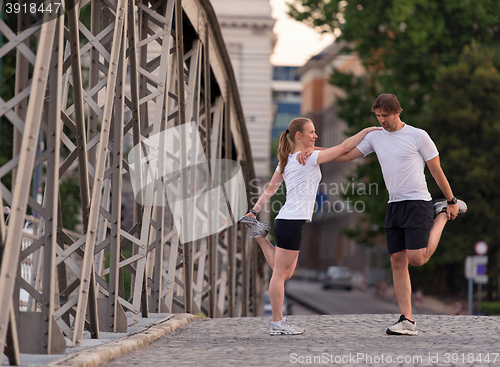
[(465, 119), (409, 38), (413, 48)]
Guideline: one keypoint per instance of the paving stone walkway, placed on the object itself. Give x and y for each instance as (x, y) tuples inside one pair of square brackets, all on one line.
[(341, 340)]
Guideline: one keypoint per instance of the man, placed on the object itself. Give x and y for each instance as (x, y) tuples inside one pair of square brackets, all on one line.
[(412, 233)]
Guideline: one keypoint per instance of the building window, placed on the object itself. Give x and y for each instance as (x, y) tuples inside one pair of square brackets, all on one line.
[(288, 73)]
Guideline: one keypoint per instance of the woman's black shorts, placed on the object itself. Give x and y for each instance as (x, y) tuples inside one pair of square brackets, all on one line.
[(288, 233)]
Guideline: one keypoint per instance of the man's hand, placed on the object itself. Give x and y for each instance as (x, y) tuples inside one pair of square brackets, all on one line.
[(302, 156), (452, 211)]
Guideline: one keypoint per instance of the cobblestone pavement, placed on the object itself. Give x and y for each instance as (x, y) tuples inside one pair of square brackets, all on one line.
[(342, 340)]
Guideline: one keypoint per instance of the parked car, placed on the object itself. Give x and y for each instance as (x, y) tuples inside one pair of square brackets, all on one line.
[(268, 311), (338, 277)]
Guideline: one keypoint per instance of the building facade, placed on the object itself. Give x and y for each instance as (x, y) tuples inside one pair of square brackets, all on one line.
[(247, 27), (287, 89)]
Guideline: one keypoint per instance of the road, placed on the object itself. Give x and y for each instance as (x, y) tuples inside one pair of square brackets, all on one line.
[(299, 309), (333, 340), (336, 301)]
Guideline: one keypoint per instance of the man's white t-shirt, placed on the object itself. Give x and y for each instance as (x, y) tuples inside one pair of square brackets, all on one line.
[(402, 155), (301, 187)]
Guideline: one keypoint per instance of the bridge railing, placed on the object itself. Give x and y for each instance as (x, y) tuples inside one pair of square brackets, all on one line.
[(92, 80)]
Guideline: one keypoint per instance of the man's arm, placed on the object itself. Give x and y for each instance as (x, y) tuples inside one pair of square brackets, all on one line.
[(438, 174)]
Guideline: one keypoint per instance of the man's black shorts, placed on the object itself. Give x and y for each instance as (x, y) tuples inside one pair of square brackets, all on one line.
[(408, 225)]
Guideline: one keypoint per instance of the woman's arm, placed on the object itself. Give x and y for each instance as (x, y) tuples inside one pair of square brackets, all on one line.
[(345, 147), (275, 183), (349, 156)]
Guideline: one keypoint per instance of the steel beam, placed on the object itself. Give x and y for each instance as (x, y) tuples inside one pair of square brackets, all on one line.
[(87, 267), (76, 67), (111, 322), (51, 339), (187, 247), (23, 178), (11, 344)]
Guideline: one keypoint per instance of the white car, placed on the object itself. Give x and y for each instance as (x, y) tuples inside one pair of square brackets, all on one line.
[(338, 277)]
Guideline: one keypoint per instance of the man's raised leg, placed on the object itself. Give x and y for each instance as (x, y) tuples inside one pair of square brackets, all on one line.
[(435, 235), (421, 256)]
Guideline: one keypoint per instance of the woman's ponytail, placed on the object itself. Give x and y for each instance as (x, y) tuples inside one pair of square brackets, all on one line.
[(287, 140), (284, 149)]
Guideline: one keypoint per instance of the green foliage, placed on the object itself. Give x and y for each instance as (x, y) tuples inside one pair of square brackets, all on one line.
[(490, 308), (69, 187), (440, 57), (409, 38), (7, 87), (70, 201), (465, 120), (124, 273)]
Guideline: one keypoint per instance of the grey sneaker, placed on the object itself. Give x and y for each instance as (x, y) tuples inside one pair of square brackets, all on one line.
[(284, 327), (403, 327), (441, 205), (255, 228)]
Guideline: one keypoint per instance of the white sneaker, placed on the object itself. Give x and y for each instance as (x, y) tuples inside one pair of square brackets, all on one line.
[(403, 327), (441, 205), (284, 327), (255, 228)]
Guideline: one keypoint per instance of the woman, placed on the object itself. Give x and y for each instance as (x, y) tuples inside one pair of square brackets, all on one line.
[(301, 182)]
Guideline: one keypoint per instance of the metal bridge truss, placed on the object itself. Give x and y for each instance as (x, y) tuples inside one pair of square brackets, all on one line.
[(135, 69)]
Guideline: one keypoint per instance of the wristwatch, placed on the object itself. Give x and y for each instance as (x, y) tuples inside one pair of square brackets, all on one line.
[(253, 212), (452, 201)]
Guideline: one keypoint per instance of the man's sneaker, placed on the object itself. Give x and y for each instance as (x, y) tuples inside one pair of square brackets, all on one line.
[(403, 327), (441, 205), (255, 228), (284, 327)]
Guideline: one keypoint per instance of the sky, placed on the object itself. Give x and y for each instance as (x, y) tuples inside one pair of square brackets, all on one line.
[(296, 41)]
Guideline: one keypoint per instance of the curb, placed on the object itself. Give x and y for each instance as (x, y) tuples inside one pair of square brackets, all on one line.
[(117, 348), (307, 304)]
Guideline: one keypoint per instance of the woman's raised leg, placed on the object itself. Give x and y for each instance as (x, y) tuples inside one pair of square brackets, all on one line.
[(267, 249)]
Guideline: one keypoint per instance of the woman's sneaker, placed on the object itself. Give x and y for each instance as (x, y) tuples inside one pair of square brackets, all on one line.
[(255, 228), (284, 327), (403, 327), (441, 205)]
